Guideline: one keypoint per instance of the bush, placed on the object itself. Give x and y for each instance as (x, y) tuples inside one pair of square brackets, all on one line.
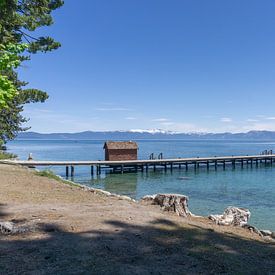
[(4, 155)]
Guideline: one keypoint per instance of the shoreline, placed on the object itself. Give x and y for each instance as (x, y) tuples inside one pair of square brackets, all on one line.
[(252, 228), (69, 216)]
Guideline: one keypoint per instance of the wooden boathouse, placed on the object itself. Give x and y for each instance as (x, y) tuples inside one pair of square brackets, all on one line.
[(120, 150)]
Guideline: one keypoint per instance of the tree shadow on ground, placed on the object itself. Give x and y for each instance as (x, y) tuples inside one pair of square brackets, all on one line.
[(3, 212), (157, 248)]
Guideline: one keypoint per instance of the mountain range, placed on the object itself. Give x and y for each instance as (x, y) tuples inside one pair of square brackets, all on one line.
[(149, 134)]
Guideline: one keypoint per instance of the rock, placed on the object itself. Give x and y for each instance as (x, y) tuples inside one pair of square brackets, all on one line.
[(266, 233), (170, 202), (148, 198), (6, 227), (232, 216), (253, 229)]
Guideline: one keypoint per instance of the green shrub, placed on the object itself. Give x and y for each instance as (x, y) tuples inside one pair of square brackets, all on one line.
[(4, 155)]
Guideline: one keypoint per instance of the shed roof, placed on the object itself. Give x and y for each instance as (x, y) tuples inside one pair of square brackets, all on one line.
[(120, 145)]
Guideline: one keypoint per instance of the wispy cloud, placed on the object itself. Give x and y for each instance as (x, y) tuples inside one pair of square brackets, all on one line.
[(270, 118), (252, 120), (167, 123), (259, 127), (226, 119), (130, 118), (112, 109), (160, 119)]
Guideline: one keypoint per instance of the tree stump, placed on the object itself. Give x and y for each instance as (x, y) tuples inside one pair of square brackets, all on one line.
[(232, 216), (170, 202)]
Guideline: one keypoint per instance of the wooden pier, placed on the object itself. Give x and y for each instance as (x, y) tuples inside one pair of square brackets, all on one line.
[(145, 165)]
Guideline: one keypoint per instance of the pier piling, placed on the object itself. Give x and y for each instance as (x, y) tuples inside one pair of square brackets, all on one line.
[(92, 170), (67, 171), (72, 171)]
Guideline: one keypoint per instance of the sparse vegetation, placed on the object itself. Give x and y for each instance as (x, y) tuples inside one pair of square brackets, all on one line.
[(51, 175), (4, 155)]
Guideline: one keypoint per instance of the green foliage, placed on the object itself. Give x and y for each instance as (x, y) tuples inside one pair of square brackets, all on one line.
[(18, 20), (9, 60), (51, 175), (4, 155)]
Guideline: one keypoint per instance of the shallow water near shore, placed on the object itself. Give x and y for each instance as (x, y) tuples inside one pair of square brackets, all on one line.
[(210, 192)]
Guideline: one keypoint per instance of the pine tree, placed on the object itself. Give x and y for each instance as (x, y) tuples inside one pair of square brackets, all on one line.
[(18, 21)]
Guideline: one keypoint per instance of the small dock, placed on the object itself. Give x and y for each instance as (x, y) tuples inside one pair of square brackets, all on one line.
[(153, 164)]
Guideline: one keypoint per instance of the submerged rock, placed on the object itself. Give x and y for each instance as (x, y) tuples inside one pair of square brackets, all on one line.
[(170, 202), (232, 216)]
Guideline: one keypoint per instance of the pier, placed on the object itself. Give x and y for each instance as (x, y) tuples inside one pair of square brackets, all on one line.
[(153, 164)]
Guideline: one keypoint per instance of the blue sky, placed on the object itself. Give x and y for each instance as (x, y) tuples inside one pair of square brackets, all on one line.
[(177, 65)]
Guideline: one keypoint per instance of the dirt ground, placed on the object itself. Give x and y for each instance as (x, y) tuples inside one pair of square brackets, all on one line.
[(73, 231)]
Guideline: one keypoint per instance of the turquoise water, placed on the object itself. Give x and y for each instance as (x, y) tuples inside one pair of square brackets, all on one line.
[(209, 191)]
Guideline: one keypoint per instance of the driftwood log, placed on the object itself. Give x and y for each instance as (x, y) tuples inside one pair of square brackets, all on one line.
[(170, 202), (232, 216)]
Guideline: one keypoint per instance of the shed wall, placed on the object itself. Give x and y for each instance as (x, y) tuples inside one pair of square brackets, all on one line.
[(120, 154)]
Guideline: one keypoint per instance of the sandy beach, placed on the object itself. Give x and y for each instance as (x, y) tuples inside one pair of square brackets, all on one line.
[(70, 230)]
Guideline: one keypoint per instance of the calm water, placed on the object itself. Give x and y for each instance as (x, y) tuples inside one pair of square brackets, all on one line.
[(209, 191)]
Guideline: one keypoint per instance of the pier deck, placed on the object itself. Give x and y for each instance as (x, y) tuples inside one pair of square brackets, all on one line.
[(142, 165)]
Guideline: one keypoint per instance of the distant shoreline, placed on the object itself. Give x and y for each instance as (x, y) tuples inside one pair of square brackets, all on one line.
[(129, 135)]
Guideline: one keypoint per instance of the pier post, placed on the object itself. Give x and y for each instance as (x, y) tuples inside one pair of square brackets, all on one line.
[(251, 163), (165, 167), (122, 168), (154, 167), (224, 165), (207, 165), (242, 163), (171, 167), (67, 171), (180, 166), (195, 166), (146, 168), (72, 171), (233, 164), (186, 166), (92, 170), (98, 169), (216, 165), (271, 160)]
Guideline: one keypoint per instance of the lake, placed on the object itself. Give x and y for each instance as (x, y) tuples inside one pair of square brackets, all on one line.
[(210, 192)]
